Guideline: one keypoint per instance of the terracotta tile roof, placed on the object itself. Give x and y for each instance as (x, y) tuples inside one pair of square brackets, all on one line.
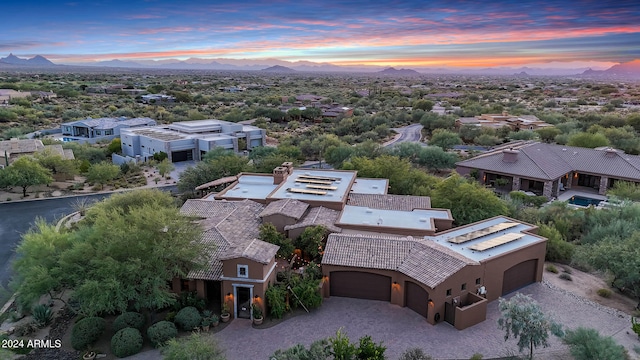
[(318, 216), (287, 207), (219, 246), (206, 208), (389, 202), (256, 250), (550, 161), (20, 146), (232, 227), (423, 260)]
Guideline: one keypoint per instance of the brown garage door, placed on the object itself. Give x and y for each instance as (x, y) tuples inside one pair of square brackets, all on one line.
[(519, 276), (416, 298), (360, 285)]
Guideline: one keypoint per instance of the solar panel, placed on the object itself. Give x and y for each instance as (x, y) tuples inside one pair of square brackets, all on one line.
[(500, 240), (326, 178), (305, 191), (482, 232), (322, 187), (310, 181)]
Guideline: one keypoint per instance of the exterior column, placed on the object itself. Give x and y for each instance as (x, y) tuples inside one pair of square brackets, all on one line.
[(515, 185), (603, 185), (547, 190), (569, 181)]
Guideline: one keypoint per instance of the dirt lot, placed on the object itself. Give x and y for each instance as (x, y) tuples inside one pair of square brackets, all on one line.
[(586, 285)]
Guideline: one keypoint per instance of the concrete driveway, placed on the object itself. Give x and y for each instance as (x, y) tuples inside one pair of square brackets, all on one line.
[(400, 328)]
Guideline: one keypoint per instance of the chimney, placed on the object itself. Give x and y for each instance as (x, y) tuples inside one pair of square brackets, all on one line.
[(288, 165), (510, 156), (610, 153), (280, 174)]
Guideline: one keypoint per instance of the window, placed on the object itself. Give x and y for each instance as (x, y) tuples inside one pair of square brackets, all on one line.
[(478, 281), (98, 132), (243, 271), (463, 287), (448, 292), (184, 285)]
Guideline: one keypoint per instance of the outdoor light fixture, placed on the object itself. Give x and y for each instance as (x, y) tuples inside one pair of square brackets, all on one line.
[(430, 302), (256, 297)]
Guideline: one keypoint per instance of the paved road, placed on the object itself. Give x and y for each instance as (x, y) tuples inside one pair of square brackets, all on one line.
[(17, 217), (411, 133)]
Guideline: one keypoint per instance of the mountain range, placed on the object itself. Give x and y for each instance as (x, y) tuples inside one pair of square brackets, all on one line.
[(628, 70)]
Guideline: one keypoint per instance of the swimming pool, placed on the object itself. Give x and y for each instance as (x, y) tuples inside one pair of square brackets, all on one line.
[(584, 201)]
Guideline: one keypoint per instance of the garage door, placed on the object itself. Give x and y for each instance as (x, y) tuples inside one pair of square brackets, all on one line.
[(519, 276), (360, 285), (416, 298), (177, 156)]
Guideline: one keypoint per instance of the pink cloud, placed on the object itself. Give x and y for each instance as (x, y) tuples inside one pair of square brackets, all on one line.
[(176, 29), (143, 17)]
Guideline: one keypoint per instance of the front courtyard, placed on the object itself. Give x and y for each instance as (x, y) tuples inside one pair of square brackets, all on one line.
[(400, 328)]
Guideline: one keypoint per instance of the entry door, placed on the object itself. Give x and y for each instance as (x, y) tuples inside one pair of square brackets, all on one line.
[(449, 313), (243, 302)]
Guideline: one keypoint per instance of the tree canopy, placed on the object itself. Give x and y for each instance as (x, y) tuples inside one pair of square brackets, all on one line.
[(122, 254), (25, 172)]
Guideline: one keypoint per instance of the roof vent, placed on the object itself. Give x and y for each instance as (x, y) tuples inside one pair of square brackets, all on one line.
[(510, 155)]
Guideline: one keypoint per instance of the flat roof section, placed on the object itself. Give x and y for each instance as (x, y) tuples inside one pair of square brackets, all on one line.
[(251, 187), (296, 185), (471, 248), (370, 186), (417, 219), (196, 126), (482, 232), (158, 133)]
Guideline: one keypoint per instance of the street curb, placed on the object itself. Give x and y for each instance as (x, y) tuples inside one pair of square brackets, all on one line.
[(87, 194)]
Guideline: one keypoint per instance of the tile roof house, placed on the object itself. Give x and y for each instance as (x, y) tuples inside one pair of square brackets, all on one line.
[(497, 121), (547, 169), (14, 148), (406, 258)]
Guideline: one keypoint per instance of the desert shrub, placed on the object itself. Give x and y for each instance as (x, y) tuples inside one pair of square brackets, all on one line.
[(414, 354), (476, 356), (87, 331), (129, 319), (565, 276), (552, 269), (320, 349), (308, 293), (161, 332), (341, 346), (567, 270), (126, 342), (605, 293), (369, 350), (194, 346), (188, 318), (42, 315), (635, 326), (588, 344), (26, 329)]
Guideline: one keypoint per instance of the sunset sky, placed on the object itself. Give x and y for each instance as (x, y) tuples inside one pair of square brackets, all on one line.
[(388, 33)]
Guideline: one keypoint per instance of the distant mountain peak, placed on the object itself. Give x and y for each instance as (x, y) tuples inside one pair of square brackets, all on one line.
[(401, 72), (279, 68), (37, 60)]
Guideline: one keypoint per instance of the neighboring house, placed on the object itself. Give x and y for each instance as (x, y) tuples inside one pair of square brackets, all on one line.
[(547, 169), (497, 121), (157, 99), (12, 149), (393, 248), (190, 140), (14, 94), (93, 130)]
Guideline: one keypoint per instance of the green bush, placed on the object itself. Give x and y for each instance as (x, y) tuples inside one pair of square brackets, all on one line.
[(129, 319), (42, 315), (341, 346), (635, 326), (476, 356), (171, 315), (552, 269), (588, 344), (368, 350), (605, 293), (190, 298), (188, 318), (126, 342), (308, 292), (276, 295), (87, 331), (160, 332)]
